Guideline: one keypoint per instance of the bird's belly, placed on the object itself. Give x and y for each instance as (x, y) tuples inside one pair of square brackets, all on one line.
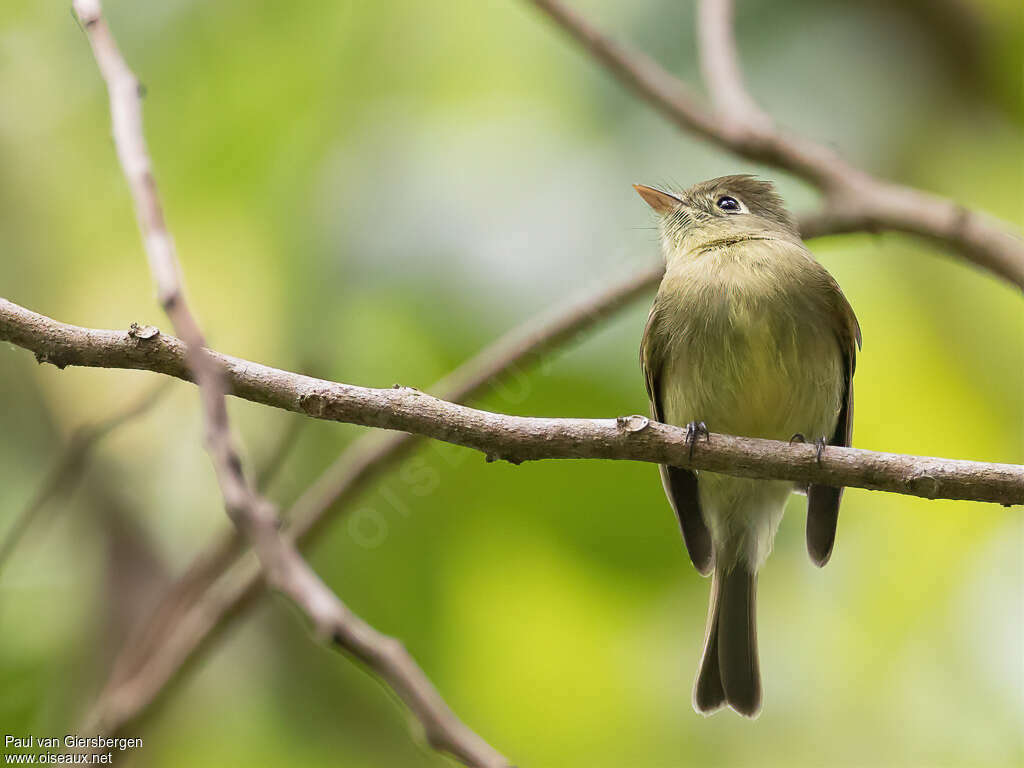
[(756, 378)]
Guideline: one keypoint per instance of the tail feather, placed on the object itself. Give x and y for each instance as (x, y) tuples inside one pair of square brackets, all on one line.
[(708, 694), (729, 671)]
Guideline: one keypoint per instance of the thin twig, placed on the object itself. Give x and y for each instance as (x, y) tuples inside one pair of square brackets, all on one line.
[(520, 438), (283, 447), (206, 568), (853, 198), (67, 470), (721, 70), (283, 566), (373, 453), (148, 639)]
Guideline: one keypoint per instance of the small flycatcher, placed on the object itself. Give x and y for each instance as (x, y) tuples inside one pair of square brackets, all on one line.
[(748, 335)]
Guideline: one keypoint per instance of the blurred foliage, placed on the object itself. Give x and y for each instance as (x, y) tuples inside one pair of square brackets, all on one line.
[(371, 192)]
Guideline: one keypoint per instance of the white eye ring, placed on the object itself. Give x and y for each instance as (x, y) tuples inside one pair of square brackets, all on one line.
[(730, 204)]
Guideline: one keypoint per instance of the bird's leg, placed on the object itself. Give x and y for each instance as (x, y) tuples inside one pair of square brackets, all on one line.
[(694, 430), (798, 437)]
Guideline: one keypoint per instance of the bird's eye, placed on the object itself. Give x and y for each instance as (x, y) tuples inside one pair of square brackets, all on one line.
[(727, 203)]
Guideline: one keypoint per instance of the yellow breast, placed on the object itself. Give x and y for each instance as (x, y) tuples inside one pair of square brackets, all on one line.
[(750, 353)]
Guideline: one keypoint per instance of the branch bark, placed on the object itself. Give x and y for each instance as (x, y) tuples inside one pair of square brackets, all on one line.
[(853, 199), (283, 566), (519, 438)]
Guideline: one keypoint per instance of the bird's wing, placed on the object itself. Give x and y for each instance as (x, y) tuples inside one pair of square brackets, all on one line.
[(680, 484), (823, 500)]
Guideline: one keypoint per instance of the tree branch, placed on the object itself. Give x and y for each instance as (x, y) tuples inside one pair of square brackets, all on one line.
[(196, 609), (519, 438), (282, 564), (374, 451), (156, 653), (286, 442), (72, 462), (721, 70), (853, 198), (147, 638)]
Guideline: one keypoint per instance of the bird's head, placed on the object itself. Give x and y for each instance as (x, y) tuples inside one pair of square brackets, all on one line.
[(729, 208)]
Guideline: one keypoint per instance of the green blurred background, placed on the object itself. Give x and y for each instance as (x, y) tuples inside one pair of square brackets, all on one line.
[(371, 192)]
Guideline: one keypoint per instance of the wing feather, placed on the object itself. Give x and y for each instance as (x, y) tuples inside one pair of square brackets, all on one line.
[(680, 484), (823, 500)]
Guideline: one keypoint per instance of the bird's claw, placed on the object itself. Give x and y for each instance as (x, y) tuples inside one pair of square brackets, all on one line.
[(819, 445), (694, 431), (819, 449)]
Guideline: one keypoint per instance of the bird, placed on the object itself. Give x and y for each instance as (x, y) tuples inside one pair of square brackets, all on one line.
[(748, 335)]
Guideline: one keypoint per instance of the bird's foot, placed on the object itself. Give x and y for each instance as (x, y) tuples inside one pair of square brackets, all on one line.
[(694, 431), (819, 445), (819, 449)]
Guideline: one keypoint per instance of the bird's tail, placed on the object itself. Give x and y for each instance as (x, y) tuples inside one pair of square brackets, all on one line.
[(729, 671)]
